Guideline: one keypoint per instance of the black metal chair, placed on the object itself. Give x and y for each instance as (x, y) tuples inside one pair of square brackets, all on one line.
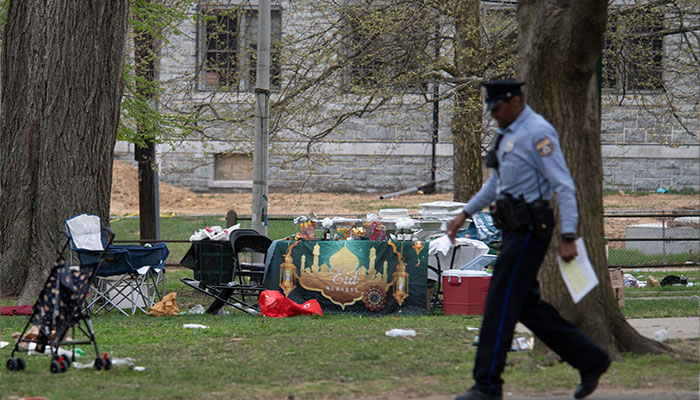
[(248, 253)]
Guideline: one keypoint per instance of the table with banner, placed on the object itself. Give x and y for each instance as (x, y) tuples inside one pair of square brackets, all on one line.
[(355, 276)]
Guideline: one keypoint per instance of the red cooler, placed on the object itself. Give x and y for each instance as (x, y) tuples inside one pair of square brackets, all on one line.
[(464, 292)]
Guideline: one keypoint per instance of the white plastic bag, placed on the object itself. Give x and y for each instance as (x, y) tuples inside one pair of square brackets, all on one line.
[(400, 332)]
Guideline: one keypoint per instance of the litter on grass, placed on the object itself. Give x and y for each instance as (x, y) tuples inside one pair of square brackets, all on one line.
[(198, 309), (400, 332), (194, 326)]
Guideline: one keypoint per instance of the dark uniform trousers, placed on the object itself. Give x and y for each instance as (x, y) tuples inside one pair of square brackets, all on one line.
[(513, 296)]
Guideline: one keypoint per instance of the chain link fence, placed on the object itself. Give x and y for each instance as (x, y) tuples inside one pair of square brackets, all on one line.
[(652, 239), (634, 239), (176, 230)]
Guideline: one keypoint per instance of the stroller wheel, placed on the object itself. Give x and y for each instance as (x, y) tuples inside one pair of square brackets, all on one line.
[(99, 363), (108, 363), (12, 365), (65, 364), (55, 367), (21, 364)]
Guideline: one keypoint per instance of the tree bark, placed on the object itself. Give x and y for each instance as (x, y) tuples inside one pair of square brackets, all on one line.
[(61, 88), (560, 43), (145, 71), (467, 114)]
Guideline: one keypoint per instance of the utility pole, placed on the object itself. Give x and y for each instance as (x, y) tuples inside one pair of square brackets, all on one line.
[(262, 120)]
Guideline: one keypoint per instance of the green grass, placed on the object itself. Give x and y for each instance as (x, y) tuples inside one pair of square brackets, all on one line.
[(624, 257), (662, 301), (334, 356), (660, 308)]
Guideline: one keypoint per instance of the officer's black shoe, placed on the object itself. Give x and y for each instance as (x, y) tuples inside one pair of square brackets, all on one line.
[(589, 380), (474, 394)]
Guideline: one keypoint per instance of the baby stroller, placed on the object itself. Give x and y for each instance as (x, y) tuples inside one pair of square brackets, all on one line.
[(61, 306)]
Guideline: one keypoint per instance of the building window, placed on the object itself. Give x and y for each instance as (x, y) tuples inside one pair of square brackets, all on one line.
[(228, 48), (233, 167), (375, 56), (633, 53)]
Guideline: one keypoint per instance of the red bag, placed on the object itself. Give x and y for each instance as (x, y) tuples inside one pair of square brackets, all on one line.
[(275, 304), (16, 310)]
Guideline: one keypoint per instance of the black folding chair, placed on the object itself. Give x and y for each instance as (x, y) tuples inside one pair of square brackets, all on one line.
[(248, 252)]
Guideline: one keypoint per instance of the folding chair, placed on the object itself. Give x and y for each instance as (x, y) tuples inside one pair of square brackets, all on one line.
[(248, 248), (463, 251), (131, 276)]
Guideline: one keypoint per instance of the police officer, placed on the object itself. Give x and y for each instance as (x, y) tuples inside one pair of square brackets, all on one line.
[(528, 167)]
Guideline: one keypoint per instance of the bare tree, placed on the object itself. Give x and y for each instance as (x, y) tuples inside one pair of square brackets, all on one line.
[(372, 61), (61, 88), (468, 109)]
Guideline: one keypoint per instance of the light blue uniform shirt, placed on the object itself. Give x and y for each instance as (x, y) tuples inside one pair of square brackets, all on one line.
[(530, 163)]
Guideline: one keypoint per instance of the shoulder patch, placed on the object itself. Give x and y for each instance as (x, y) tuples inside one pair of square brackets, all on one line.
[(544, 147)]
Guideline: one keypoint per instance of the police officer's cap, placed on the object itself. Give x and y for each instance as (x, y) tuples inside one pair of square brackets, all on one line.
[(498, 91)]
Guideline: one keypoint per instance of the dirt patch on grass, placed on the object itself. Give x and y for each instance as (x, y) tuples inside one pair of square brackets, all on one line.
[(182, 201), (125, 200)]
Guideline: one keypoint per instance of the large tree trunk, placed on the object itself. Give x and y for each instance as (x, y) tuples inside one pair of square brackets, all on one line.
[(467, 114), (61, 89), (560, 43)]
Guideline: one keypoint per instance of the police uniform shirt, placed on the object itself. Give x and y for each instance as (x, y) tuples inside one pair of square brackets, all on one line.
[(531, 163)]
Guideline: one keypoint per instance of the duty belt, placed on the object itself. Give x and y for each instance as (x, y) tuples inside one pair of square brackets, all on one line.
[(513, 214)]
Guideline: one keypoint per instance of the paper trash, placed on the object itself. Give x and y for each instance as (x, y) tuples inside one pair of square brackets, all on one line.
[(194, 326)]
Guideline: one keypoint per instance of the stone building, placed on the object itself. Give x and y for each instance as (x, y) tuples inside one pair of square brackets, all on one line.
[(648, 142)]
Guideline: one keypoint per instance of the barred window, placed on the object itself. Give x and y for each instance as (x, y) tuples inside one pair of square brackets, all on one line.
[(376, 56), (633, 53), (228, 48)]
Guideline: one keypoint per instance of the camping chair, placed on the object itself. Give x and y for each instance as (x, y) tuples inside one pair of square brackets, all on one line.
[(131, 276), (60, 307), (248, 248)]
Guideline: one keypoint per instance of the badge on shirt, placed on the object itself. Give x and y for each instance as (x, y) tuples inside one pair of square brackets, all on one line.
[(544, 147), (509, 146)]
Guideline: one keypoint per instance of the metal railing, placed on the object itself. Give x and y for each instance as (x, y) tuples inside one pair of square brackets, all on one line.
[(629, 245), (653, 238)]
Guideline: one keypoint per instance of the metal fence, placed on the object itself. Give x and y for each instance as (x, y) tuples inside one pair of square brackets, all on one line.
[(634, 239), (176, 230), (651, 239)]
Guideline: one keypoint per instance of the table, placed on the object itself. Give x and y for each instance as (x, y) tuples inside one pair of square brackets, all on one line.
[(356, 276)]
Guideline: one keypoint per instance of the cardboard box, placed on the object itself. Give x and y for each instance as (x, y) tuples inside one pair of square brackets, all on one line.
[(618, 284), (464, 292)]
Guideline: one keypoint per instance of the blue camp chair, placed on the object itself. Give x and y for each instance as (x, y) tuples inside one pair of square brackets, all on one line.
[(130, 276)]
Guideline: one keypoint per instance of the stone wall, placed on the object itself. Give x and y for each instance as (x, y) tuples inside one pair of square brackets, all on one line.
[(392, 150)]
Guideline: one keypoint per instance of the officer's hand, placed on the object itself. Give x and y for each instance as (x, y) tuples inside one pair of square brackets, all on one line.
[(567, 250), (454, 226)]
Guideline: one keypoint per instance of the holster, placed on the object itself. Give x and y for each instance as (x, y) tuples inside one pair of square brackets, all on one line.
[(512, 214)]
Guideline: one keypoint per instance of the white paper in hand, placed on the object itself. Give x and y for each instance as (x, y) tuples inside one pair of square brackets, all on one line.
[(579, 276)]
